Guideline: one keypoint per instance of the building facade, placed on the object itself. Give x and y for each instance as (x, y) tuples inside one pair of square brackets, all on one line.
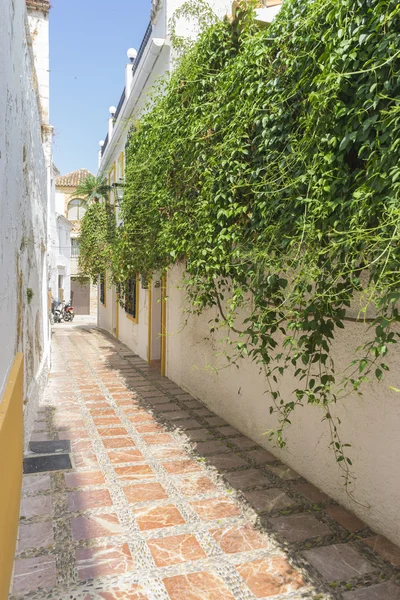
[(71, 209), (195, 361), (26, 175), (139, 319)]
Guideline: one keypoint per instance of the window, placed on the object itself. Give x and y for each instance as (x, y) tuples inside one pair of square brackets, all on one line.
[(74, 247), (76, 209), (131, 298), (103, 289)]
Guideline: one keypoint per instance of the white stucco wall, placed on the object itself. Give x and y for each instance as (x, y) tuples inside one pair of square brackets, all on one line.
[(23, 211), (370, 423)]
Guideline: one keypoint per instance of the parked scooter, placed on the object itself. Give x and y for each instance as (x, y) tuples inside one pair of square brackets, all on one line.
[(68, 312), (56, 310)]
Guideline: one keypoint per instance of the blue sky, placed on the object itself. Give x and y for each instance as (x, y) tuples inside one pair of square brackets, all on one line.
[(88, 44)]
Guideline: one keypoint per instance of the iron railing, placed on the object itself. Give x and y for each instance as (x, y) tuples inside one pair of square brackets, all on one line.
[(135, 65), (120, 105), (103, 149), (143, 45)]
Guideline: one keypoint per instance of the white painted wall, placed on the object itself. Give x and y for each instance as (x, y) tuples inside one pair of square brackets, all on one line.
[(371, 423), (156, 62), (23, 210)]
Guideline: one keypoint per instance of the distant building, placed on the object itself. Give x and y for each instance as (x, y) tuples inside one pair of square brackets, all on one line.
[(72, 208)]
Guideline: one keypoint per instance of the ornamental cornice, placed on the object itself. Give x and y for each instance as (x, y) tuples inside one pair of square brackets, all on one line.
[(42, 5)]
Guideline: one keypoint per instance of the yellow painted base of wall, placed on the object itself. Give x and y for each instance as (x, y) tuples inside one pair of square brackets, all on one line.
[(11, 456)]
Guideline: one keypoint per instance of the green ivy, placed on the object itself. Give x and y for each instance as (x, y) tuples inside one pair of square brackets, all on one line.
[(96, 237), (269, 163)]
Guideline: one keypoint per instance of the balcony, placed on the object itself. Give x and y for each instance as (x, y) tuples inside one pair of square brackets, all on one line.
[(143, 45)]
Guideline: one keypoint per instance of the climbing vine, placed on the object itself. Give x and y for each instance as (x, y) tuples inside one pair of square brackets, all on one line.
[(270, 165), (96, 236)]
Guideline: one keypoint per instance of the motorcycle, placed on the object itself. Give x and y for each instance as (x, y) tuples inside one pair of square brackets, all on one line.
[(56, 310), (68, 312)]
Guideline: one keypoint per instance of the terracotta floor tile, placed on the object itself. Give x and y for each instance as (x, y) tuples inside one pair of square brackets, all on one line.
[(181, 466), (216, 421), (269, 577), (284, 472), (140, 417), (73, 434), (193, 486), (209, 448), (158, 517), (112, 431), (197, 586), (338, 562), (159, 438), (385, 549), (33, 573), (299, 527), (86, 461), (198, 435), (215, 508), (166, 407), (143, 492), (81, 479), (150, 428), (345, 518), (35, 535), (99, 411), (125, 455), (261, 456), (244, 443), (162, 453), (122, 442), (40, 437), (239, 538), (175, 549), (88, 499), (176, 415), (227, 461), (133, 592), (134, 472), (35, 483), (81, 446), (382, 591), (268, 500), (103, 561), (310, 492), (34, 506), (228, 431), (95, 526), (187, 424), (98, 407), (99, 421), (241, 480)]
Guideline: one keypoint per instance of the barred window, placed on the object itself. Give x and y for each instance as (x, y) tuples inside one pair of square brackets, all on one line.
[(131, 297), (102, 289)]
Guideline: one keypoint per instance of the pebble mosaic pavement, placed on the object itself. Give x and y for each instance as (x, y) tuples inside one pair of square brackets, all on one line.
[(166, 501)]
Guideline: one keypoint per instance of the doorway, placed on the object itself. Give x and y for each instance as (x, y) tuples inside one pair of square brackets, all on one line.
[(80, 295), (156, 354)]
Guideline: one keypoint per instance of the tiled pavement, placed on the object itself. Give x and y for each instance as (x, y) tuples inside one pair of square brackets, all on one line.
[(167, 501)]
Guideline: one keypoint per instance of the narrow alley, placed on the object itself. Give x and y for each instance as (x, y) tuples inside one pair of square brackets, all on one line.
[(165, 500)]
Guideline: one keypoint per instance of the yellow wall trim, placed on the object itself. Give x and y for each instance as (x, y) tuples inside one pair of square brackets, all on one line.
[(163, 325), (11, 456), (150, 317), (117, 315)]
